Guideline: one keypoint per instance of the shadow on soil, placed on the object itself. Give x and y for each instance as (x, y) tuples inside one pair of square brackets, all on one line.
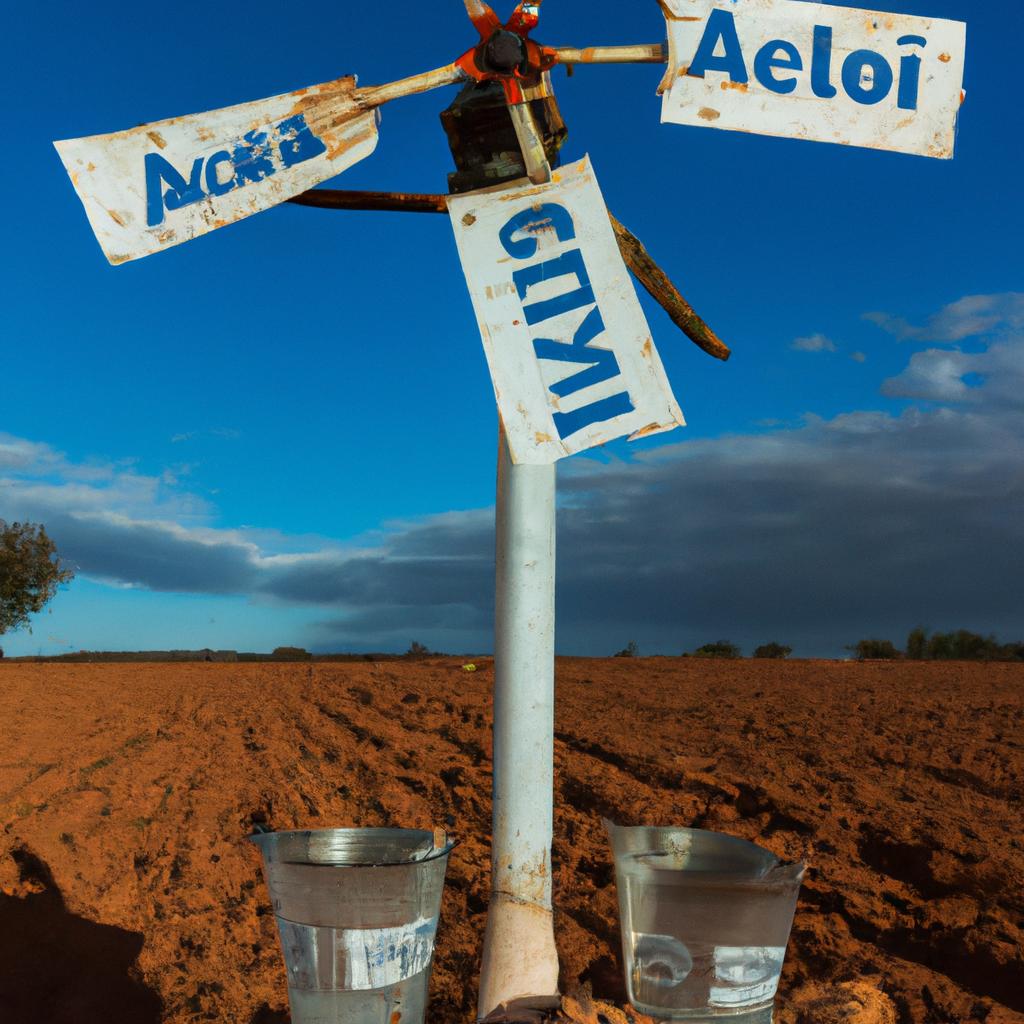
[(63, 969)]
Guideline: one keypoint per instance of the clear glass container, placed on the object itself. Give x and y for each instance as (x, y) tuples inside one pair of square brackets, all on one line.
[(705, 923), (357, 913)]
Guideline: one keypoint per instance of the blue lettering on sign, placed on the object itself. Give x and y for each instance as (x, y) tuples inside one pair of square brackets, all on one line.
[(603, 364), (821, 63), (547, 215), (181, 192), (597, 364), (569, 263), (910, 73), (214, 185), (250, 160), (720, 50), (298, 143), (863, 88), (721, 28), (768, 59)]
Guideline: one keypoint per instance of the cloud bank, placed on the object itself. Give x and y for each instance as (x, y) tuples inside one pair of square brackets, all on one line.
[(865, 524)]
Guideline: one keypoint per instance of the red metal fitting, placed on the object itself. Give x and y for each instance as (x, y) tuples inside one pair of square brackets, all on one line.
[(534, 58), (524, 18)]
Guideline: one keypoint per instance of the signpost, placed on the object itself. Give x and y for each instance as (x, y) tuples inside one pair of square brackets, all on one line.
[(570, 353)]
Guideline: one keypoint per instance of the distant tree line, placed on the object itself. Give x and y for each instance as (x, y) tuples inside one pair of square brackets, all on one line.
[(961, 645), (727, 649), (718, 649)]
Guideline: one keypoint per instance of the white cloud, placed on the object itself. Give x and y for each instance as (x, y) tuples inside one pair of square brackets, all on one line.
[(993, 378), (814, 343), (969, 317), (936, 375)]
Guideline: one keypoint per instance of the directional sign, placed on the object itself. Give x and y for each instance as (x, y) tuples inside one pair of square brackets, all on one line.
[(814, 71), (569, 350), (155, 186)]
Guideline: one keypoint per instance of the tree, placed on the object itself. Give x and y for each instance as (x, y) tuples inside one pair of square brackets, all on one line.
[(917, 644), (290, 654), (773, 650), (30, 573), (872, 650), (631, 650), (719, 649), (963, 645)]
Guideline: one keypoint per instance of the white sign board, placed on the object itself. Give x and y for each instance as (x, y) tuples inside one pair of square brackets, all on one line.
[(161, 184), (569, 350), (814, 71)]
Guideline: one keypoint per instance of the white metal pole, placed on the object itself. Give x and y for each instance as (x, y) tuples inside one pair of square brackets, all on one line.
[(520, 962)]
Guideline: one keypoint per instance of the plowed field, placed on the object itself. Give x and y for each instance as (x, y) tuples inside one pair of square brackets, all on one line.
[(128, 894)]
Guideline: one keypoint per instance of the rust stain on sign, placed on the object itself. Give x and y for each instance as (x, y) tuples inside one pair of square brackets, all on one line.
[(651, 428), (314, 96), (164, 183), (340, 144), (815, 71)]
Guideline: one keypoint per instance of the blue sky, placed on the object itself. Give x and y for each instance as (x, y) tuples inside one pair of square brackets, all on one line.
[(284, 432)]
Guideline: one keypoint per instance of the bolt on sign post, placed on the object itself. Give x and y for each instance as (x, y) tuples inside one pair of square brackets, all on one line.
[(570, 354)]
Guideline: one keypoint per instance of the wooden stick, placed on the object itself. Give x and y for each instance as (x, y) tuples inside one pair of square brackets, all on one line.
[(375, 95), (403, 202), (637, 258), (644, 53), (660, 288), (451, 74)]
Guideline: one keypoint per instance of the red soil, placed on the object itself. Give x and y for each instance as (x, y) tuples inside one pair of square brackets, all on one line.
[(127, 894)]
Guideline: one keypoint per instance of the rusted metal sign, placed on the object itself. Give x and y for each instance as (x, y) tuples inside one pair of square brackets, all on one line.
[(569, 350), (814, 71), (155, 186)]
